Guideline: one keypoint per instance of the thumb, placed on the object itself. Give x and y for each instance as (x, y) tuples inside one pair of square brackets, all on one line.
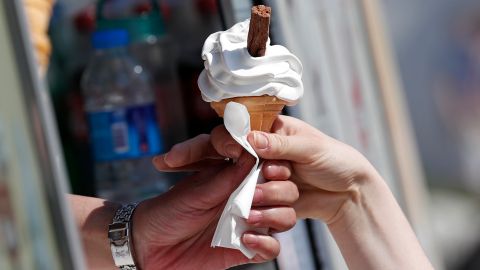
[(281, 147)]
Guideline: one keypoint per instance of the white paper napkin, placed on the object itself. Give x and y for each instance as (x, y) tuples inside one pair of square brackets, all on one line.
[(232, 224)]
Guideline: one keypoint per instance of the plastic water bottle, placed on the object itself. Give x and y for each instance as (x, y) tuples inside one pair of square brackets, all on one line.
[(152, 48), (123, 130)]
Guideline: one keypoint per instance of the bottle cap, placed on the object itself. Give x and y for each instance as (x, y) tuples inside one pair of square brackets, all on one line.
[(147, 23), (142, 28), (112, 38)]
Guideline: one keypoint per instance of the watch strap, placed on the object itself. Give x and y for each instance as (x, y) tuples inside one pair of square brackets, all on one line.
[(124, 213), (120, 235)]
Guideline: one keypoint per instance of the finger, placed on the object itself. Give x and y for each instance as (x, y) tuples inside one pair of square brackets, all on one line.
[(162, 166), (190, 151), (224, 144), (301, 149), (275, 193), (217, 188), (279, 219), (287, 125), (277, 170), (266, 247)]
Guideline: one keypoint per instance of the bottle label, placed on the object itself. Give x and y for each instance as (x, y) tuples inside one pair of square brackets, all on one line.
[(125, 133)]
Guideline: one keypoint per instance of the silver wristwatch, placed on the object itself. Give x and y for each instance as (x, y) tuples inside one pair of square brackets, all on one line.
[(120, 235)]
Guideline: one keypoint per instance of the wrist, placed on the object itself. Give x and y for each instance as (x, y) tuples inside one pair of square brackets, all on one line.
[(366, 184), (92, 218), (371, 224), (140, 243), (360, 200)]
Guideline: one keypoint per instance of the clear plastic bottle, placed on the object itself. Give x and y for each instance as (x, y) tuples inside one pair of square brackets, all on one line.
[(124, 134), (150, 45), (157, 54)]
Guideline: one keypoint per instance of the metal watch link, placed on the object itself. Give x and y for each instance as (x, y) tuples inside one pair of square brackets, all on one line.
[(120, 236)]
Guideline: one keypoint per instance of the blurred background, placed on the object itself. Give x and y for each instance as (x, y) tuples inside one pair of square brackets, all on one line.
[(150, 50), (437, 47)]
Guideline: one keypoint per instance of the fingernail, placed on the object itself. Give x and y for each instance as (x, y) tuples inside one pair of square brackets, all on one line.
[(166, 159), (250, 239), (257, 196), (233, 151), (260, 140), (255, 216)]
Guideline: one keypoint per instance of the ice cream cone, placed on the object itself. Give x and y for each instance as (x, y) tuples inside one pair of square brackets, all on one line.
[(263, 110)]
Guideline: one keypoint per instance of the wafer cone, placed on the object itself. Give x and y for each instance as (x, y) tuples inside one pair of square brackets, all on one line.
[(263, 110)]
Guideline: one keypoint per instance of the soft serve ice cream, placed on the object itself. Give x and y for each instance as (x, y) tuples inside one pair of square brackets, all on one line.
[(231, 72), (249, 92)]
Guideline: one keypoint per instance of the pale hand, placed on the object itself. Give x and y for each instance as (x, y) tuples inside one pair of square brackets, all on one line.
[(336, 184), (326, 171)]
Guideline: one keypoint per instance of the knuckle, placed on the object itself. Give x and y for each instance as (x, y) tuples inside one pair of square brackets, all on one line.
[(278, 144), (294, 191), (220, 139), (281, 219), (232, 150), (272, 250), (189, 155), (275, 252), (177, 147), (274, 192), (218, 133), (216, 130), (291, 219), (202, 138), (287, 170)]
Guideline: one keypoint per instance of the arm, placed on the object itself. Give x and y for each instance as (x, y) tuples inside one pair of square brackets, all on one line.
[(345, 191), (337, 185), (92, 217), (373, 233), (183, 221)]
